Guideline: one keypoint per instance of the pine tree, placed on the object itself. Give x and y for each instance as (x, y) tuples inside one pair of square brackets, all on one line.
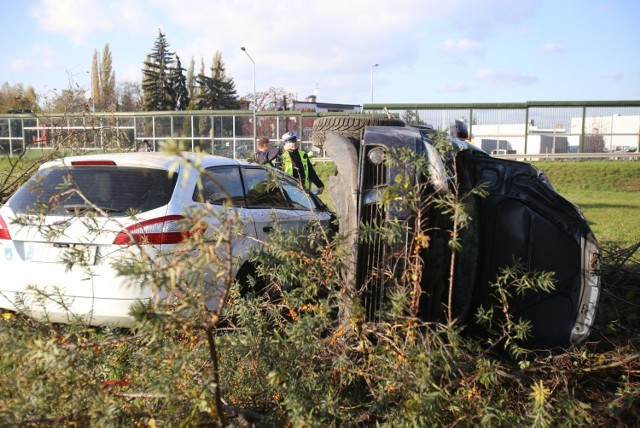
[(219, 92), (156, 83), (179, 84)]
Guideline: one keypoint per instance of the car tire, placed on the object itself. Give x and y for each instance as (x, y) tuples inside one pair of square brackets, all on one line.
[(348, 126), (252, 284)]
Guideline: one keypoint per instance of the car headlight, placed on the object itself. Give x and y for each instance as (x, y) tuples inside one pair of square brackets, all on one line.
[(376, 156)]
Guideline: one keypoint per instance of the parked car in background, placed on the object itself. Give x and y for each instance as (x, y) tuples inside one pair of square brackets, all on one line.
[(521, 219), (107, 207)]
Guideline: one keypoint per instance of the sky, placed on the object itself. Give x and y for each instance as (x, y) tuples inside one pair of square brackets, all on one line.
[(426, 51)]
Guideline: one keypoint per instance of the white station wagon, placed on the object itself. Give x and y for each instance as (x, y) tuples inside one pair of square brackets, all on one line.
[(132, 198)]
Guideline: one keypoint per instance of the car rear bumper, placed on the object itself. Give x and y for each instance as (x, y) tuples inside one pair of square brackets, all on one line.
[(97, 296)]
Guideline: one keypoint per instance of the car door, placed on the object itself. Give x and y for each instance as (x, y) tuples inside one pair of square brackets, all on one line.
[(222, 187), (313, 213), (523, 219), (266, 203)]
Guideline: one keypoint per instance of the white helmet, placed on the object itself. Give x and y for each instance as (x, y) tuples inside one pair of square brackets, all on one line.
[(291, 135)]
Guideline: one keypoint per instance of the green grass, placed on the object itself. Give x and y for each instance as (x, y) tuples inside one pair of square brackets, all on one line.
[(608, 193), (607, 176), (324, 171), (614, 217)]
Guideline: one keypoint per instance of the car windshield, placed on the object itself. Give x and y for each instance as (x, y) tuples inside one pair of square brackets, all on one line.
[(116, 191)]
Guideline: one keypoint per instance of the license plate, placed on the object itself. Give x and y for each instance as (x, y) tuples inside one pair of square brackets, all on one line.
[(50, 253)]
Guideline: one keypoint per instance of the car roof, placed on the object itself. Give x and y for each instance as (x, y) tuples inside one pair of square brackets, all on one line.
[(155, 160)]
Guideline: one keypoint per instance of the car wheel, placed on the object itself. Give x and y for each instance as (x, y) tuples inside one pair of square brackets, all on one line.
[(252, 284), (348, 126)]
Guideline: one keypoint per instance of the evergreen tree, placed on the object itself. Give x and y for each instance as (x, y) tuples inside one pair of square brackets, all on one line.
[(179, 84), (219, 92), (107, 81), (411, 117), (156, 83)]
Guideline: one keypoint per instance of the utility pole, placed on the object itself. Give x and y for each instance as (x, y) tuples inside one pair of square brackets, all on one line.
[(255, 99)]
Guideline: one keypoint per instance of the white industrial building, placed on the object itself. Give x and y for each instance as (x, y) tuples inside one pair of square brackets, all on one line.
[(613, 133)]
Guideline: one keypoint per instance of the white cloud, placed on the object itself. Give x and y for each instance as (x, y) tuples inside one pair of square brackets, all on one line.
[(615, 75), (462, 46), (298, 44), (552, 48), (501, 78), (294, 44), (69, 17), (37, 57), (80, 19), (20, 64), (454, 88), (483, 19)]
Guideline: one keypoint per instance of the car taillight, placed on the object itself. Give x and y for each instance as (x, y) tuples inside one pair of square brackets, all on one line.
[(163, 230), (4, 230), (93, 163)]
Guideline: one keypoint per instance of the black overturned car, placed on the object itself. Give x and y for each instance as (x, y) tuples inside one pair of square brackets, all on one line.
[(519, 218)]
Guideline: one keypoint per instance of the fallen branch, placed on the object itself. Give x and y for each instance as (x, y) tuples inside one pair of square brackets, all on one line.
[(612, 365)]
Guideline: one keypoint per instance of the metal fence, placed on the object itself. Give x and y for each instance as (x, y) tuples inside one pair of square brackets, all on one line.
[(531, 128), (225, 133), (547, 128)]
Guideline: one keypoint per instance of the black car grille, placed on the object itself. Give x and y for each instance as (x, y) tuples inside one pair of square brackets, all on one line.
[(373, 175), (371, 256), (379, 262), (372, 251)]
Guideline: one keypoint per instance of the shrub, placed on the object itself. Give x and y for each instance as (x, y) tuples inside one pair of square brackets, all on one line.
[(305, 354)]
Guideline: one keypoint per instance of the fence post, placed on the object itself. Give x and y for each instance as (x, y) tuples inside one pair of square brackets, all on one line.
[(526, 130), (584, 124)]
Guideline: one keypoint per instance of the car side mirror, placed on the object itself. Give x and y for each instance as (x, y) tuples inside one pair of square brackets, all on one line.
[(459, 130)]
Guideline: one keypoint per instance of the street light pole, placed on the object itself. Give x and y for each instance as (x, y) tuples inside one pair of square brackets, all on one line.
[(372, 67), (255, 99)]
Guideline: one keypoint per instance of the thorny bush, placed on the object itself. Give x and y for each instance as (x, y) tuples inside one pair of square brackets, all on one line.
[(304, 353)]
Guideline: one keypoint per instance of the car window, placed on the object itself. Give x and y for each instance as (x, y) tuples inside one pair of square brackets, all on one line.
[(300, 199), (118, 191), (263, 191), (217, 183)]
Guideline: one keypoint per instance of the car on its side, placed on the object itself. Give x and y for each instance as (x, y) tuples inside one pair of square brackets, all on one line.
[(520, 219), (113, 206)]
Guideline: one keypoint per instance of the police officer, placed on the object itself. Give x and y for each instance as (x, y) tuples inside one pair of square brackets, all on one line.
[(298, 164)]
